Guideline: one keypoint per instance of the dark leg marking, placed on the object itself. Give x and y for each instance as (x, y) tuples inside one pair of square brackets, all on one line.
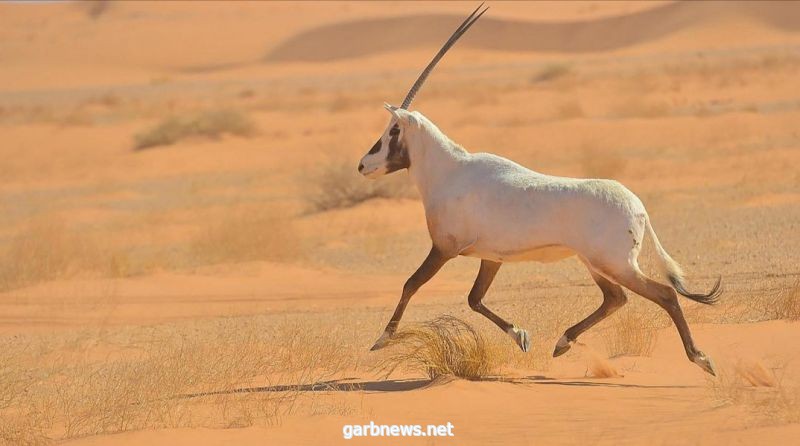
[(613, 298), (485, 277), (432, 264), (666, 298)]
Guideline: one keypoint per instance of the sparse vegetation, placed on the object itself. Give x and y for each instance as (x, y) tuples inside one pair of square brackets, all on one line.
[(208, 124), (570, 109), (551, 72), (248, 234), (630, 334), (339, 185), (445, 346), (788, 303), (215, 375), (759, 390), (43, 250)]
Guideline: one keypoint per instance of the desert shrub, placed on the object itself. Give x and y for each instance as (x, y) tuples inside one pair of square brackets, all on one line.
[(339, 185), (638, 107), (751, 385), (788, 303), (551, 72), (247, 234), (210, 124), (445, 346), (230, 372), (570, 109), (771, 305), (630, 334), (43, 250)]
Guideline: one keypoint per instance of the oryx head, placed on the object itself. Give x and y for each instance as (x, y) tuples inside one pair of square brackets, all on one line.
[(390, 152)]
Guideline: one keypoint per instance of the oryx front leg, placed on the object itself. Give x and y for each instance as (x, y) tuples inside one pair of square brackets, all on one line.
[(482, 282), (432, 264)]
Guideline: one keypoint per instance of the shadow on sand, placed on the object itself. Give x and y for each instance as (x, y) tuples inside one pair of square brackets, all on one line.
[(405, 385)]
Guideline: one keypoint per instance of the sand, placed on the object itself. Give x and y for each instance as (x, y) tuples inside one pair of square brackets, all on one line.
[(693, 106)]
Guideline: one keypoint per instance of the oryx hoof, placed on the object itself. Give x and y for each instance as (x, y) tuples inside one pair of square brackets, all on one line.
[(382, 342), (562, 346), (521, 337), (705, 363)]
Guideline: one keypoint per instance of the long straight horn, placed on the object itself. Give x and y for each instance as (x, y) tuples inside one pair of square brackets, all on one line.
[(450, 42)]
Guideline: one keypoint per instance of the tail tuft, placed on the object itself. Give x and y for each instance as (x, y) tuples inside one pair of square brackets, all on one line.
[(710, 298)]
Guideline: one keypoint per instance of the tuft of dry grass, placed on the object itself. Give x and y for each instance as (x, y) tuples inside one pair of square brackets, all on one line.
[(210, 124), (638, 107), (551, 72), (248, 234), (630, 334), (445, 346), (788, 303), (570, 109), (759, 390), (232, 372), (43, 250), (339, 185)]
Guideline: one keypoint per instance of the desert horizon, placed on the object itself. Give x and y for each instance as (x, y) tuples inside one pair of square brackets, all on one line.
[(188, 254)]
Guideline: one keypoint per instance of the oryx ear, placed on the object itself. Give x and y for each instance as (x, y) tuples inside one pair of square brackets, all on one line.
[(391, 108), (403, 117)]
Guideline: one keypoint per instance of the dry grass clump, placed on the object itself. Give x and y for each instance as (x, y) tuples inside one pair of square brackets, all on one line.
[(781, 304), (225, 373), (788, 303), (43, 250), (570, 109), (630, 334), (445, 346), (248, 234), (637, 107), (551, 72), (750, 384), (339, 185), (210, 124)]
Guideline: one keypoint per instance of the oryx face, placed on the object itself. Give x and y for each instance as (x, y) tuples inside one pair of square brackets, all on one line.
[(390, 152)]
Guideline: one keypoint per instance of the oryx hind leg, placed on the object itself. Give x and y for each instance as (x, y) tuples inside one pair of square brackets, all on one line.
[(613, 298), (485, 277), (665, 296)]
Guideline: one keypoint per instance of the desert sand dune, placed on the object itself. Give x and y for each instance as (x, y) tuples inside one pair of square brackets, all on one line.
[(366, 37), (188, 255)]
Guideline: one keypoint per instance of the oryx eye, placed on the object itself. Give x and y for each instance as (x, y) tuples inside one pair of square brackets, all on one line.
[(394, 131)]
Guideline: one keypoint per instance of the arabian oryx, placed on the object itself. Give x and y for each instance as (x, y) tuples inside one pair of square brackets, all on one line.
[(485, 206)]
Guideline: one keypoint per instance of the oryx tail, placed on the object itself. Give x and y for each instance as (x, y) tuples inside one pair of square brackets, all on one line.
[(674, 273)]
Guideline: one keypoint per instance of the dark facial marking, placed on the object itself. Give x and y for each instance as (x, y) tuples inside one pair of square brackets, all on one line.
[(398, 153), (376, 148)]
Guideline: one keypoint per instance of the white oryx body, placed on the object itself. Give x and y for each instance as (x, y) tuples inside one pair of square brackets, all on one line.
[(492, 208), (485, 206)]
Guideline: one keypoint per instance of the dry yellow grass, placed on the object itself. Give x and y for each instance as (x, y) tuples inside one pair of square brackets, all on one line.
[(630, 334), (339, 185), (247, 234), (445, 346), (788, 303), (215, 374), (759, 389), (207, 124), (551, 72), (44, 249)]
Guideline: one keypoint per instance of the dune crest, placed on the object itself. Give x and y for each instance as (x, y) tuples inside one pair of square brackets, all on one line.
[(369, 36)]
